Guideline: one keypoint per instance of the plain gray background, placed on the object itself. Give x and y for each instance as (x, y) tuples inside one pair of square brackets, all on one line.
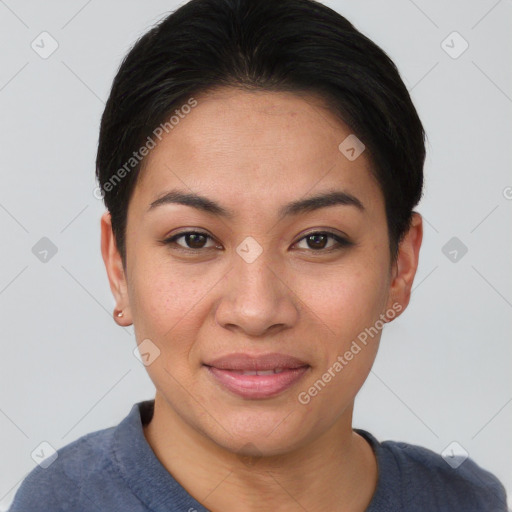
[(443, 372)]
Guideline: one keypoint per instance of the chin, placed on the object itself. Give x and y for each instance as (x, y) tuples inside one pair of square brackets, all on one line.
[(260, 433)]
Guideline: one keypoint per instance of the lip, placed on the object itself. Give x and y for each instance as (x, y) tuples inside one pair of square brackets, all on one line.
[(227, 370), (243, 361)]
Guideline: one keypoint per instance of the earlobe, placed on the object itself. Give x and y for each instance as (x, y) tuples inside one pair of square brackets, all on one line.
[(406, 263), (115, 271)]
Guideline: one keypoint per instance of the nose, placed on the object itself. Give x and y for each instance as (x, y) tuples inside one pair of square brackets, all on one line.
[(256, 299)]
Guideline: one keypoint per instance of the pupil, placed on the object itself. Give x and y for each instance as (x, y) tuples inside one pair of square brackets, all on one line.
[(315, 237), (193, 236)]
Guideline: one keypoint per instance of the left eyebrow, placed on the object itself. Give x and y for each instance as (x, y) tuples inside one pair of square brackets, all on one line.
[(300, 206), (323, 200)]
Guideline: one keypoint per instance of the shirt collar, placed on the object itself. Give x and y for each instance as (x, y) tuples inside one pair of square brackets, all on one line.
[(145, 475), (389, 480)]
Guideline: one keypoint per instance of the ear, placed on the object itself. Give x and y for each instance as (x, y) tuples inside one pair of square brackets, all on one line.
[(115, 270), (406, 265)]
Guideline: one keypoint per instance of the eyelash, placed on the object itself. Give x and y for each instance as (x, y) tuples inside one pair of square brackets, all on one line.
[(340, 241)]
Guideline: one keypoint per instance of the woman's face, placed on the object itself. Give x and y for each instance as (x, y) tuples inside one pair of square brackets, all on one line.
[(254, 282)]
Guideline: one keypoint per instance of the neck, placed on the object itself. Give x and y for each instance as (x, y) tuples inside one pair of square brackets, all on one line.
[(337, 471)]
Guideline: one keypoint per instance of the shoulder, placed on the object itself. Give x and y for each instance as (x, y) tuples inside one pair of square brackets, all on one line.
[(60, 485), (448, 484)]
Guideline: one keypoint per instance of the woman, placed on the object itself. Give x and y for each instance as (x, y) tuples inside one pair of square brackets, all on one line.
[(260, 162)]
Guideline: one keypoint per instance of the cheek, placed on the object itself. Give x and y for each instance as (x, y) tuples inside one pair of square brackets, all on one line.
[(345, 299), (349, 305), (163, 297)]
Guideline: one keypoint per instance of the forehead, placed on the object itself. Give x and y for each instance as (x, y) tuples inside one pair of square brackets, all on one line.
[(241, 125), (262, 147)]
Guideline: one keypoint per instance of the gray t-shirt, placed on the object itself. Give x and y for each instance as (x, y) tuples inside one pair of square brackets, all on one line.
[(115, 469)]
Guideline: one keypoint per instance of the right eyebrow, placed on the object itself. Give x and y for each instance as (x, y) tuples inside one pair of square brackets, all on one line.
[(193, 200)]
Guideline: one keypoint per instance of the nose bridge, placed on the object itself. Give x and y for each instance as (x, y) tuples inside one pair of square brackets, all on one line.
[(255, 299), (254, 276)]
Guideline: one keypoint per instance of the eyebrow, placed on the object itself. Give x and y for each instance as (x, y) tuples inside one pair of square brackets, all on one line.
[(300, 206)]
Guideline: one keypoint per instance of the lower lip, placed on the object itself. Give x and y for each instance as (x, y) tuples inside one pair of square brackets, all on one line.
[(257, 386)]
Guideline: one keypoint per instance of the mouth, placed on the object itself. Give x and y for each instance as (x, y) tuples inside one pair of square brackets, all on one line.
[(258, 372), (257, 377)]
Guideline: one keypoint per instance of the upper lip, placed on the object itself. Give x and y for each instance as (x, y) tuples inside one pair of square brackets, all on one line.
[(271, 361)]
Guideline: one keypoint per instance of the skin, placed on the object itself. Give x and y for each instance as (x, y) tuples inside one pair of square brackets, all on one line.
[(252, 152)]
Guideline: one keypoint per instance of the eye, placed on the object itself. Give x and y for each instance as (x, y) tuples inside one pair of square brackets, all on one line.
[(194, 240), (317, 241)]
